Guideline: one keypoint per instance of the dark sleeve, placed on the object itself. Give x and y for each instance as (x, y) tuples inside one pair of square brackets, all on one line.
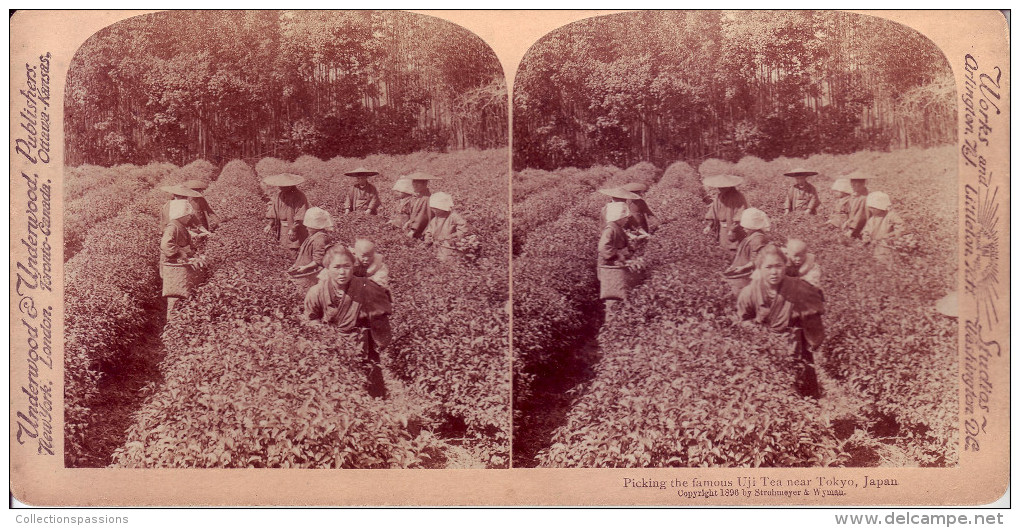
[(313, 304), (168, 244), (374, 299), (299, 211), (373, 201), (815, 201), (606, 249), (421, 221), (319, 250), (745, 304), (756, 246)]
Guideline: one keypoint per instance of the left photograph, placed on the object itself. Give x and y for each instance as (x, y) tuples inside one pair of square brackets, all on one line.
[(286, 243)]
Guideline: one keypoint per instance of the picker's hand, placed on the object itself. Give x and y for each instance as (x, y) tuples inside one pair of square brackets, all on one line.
[(707, 230), (266, 229)]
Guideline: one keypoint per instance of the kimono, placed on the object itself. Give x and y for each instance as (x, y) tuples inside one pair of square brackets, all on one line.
[(401, 211), (612, 245), (810, 271), (802, 198), (840, 212), (362, 199), (419, 214), (614, 281), (796, 309), (442, 231), (877, 232), (359, 310), (376, 271), (288, 210), (725, 213), (743, 260), (312, 250), (857, 214), (175, 248)]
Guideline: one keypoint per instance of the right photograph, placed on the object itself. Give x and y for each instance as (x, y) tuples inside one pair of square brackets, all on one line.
[(735, 243)]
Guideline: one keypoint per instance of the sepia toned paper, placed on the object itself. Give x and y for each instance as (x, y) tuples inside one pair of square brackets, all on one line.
[(43, 43)]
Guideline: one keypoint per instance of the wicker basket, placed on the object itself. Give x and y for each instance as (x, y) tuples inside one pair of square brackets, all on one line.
[(615, 281), (306, 279), (177, 279)]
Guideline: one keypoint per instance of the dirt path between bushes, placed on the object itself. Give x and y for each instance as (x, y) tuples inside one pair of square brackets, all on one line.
[(554, 393), (122, 390)]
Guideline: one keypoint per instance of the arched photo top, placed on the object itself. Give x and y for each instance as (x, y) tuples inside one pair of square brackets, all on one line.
[(219, 164), (690, 85), (682, 180), (181, 85)]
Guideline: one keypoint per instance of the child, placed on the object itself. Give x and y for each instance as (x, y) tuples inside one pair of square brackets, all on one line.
[(803, 197), (362, 196), (724, 213), (445, 227), (841, 211), (882, 226), (802, 265), (358, 307), (402, 208), (755, 223), (369, 264), (309, 258), (787, 305), (857, 211)]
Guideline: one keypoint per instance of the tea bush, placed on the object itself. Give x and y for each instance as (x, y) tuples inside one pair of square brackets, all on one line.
[(99, 204), (677, 383), (556, 302), (241, 176), (199, 169), (248, 386), (109, 288), (81, 179), (449, 360)]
